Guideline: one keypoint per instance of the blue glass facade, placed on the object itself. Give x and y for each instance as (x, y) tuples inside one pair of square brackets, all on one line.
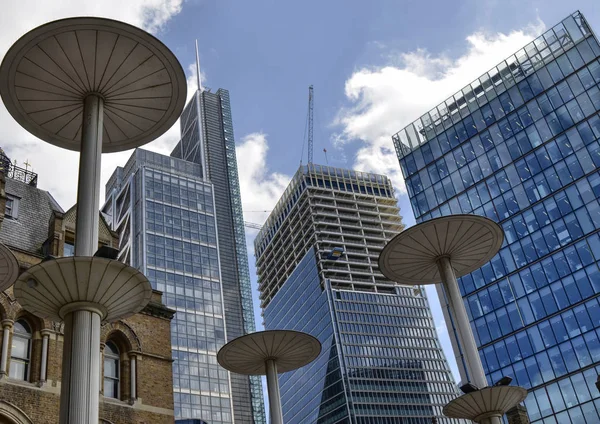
[(314, 393), (380, 364), (521, 146)]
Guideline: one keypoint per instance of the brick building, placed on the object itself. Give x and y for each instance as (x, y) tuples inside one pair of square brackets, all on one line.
[(137, 364)]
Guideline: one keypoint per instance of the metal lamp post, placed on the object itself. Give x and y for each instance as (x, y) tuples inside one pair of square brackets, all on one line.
[(269, 353), (91, 85), (437, 251)]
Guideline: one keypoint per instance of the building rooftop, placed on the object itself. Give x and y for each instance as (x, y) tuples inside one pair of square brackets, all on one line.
[(289, 195), (499, 79), (26, 228)]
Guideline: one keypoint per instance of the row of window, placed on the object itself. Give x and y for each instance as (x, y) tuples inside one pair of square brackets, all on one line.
[(396, 410), (186, 282), (192, 304), (540, 244), (365, 356), (552, 208), (555, 169), (544, 79), (216, 387), (196, 292), (20, 359), (209, 270), (197, 329), (571, 392), (213, 415), (404, 398), (385, 329), (390, 304), (572, 288), (393, 420), (514, 148), (536, 306), (161, 243), (544, 337), (158, 212), (169, 231), (196, 196), (193, 399), (492, 85), (409, 337), (542, 241)]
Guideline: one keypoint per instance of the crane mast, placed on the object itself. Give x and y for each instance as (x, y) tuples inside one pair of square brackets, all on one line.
[(310, 124)]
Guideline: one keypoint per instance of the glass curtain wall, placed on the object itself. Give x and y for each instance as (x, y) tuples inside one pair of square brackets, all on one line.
[(521, 146)]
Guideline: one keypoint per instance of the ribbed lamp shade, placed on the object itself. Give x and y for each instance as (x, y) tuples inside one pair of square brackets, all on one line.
[(490, 401), (469, 241), (9, 268), (48, 72), (289, 349), (115, 288)]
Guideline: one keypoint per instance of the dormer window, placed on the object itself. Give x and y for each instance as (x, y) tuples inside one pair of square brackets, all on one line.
[(11, 210)]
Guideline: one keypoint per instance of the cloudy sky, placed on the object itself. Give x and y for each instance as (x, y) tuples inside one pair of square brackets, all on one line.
[(376, 66)]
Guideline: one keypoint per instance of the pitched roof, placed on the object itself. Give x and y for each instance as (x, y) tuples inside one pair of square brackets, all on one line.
[(30, 229)]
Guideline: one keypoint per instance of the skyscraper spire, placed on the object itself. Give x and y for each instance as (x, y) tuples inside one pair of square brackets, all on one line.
[(198, 68)]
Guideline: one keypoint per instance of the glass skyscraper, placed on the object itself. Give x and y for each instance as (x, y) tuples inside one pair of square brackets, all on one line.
[(180, 222), (520, 145), (381, 361), (207, 139)]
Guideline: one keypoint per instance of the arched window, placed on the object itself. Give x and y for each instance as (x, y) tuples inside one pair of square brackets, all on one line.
[(111, 370), (20, 353)]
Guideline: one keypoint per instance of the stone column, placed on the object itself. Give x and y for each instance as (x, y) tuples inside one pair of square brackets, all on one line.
[(44, 366), (6, 329), (517, 415), (132, 378)]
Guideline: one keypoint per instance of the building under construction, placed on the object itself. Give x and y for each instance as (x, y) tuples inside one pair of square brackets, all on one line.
[(347, 216), (317, 255)]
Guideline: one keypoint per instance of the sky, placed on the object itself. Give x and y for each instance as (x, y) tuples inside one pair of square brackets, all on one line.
[(376, 66)]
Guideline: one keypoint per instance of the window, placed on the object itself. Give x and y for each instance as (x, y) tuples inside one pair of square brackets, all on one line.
[(20, 353), (69, 249), (111, 370), (11, 209)]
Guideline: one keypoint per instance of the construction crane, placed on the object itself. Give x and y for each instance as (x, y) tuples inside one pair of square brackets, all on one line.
[(310, 124)]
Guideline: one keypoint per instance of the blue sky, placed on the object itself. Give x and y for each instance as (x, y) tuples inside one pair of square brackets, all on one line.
[(376, 66)]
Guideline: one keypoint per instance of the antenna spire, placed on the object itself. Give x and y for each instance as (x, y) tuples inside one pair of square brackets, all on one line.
[(198, 69)]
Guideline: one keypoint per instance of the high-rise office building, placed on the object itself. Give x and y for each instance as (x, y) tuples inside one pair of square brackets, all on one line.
[(207, 139), (520, 146), (317, 253), (181, 222)]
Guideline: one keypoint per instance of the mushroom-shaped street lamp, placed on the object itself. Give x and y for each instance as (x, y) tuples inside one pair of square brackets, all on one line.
[(269, 353)]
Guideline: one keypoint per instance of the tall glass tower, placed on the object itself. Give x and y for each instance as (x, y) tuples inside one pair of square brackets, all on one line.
[(520, 145), (317, 263), (180, 222), (207, 139)]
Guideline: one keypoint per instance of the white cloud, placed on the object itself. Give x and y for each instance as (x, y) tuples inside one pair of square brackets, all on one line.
[(260, 189), (383, 100), (57, 168)]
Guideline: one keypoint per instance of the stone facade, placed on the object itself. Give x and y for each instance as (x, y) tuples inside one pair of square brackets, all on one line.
[(30, 395)]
